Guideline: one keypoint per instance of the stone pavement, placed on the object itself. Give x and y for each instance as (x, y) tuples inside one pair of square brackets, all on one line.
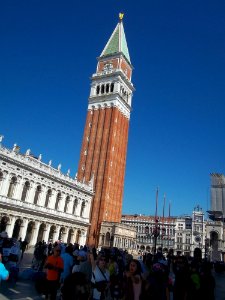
[(24, 289), (220, 286)]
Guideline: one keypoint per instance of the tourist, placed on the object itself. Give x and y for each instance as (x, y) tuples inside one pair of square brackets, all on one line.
[(23, 247), (75, 287), (54, 266), (67, 262), (4, 274), (134, 285), (100, 277)]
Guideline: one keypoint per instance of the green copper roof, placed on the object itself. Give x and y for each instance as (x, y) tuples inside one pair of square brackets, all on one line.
[(117, 43)]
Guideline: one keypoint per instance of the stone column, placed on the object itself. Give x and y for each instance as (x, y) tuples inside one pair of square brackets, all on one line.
[(121, 242), (70, 207), (83, 237), (33, 240), (23, 229), (89, 208), (5, 184), (52, 199), (46, 232), (31, 192), (117, 87), (73, 238), (10, 226), (65, 235), (19, 188), (62, 202), (42, 196), (78, 210), (56, 233)]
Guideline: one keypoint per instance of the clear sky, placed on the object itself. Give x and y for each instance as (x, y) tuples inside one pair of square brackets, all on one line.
[(48, 52)]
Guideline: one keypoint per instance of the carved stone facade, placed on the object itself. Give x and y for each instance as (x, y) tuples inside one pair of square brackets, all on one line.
[(117, 235), (145, 227), (38, 202)]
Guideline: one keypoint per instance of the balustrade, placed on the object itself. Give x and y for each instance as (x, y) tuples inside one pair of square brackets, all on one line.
[(44, 210)]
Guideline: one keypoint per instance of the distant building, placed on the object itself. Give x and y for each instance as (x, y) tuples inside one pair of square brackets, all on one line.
[(39, 202), (146, 226), (118, 235), (217, 196), (215, 228), (184, 233)]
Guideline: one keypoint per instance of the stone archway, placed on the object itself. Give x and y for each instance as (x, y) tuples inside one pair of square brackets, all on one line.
[(61, 234), (78, 236), (107, 239), (41, 230), (148, 248), (30, 229), (16, 229), (3, 223), (51, 233), (214, 243), (70, 236)]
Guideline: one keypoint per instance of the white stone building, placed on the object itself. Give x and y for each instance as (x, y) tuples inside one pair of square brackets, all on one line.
[(38, 202), (118, 235), (146, 226)]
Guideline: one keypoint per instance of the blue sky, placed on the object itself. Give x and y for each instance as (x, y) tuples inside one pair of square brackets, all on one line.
[(48, 52)]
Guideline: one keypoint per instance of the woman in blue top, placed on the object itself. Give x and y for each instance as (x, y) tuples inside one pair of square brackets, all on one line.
[(4, 274)]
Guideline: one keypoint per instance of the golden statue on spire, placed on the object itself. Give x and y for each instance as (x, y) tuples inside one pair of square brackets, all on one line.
[(121, 16)]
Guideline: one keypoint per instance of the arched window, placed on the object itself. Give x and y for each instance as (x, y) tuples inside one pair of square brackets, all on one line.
[(58, 198), (25, 190), (107, 87), (102, 89), (98, 90), (12, 186), (48, 196), (112, 87), (82, 209), (75, 203), (107, 239), (37, 194), (66, 203), (3, 223), (146, 230)]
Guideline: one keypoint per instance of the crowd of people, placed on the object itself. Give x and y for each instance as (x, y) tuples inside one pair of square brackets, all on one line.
[(72, 272), (11, 254), (84, 273)]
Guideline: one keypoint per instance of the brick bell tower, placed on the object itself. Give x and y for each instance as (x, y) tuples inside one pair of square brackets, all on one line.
[(104, 146)]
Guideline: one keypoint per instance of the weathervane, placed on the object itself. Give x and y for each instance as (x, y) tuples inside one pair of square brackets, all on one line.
[(121, 16)]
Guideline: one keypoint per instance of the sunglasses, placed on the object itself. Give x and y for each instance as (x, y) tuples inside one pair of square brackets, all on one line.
[(102, 259)]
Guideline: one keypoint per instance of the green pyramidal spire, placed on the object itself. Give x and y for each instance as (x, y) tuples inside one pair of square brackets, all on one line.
[(117, 42)]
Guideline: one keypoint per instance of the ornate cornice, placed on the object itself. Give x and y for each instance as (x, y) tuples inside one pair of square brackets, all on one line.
[(34, 165)]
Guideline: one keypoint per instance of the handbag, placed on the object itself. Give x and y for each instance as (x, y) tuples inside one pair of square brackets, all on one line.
[(102, 284)]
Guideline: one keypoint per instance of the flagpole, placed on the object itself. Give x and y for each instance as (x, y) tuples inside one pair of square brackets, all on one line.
[(163, 218), (156, 221), (169, 224), (156, 203)]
